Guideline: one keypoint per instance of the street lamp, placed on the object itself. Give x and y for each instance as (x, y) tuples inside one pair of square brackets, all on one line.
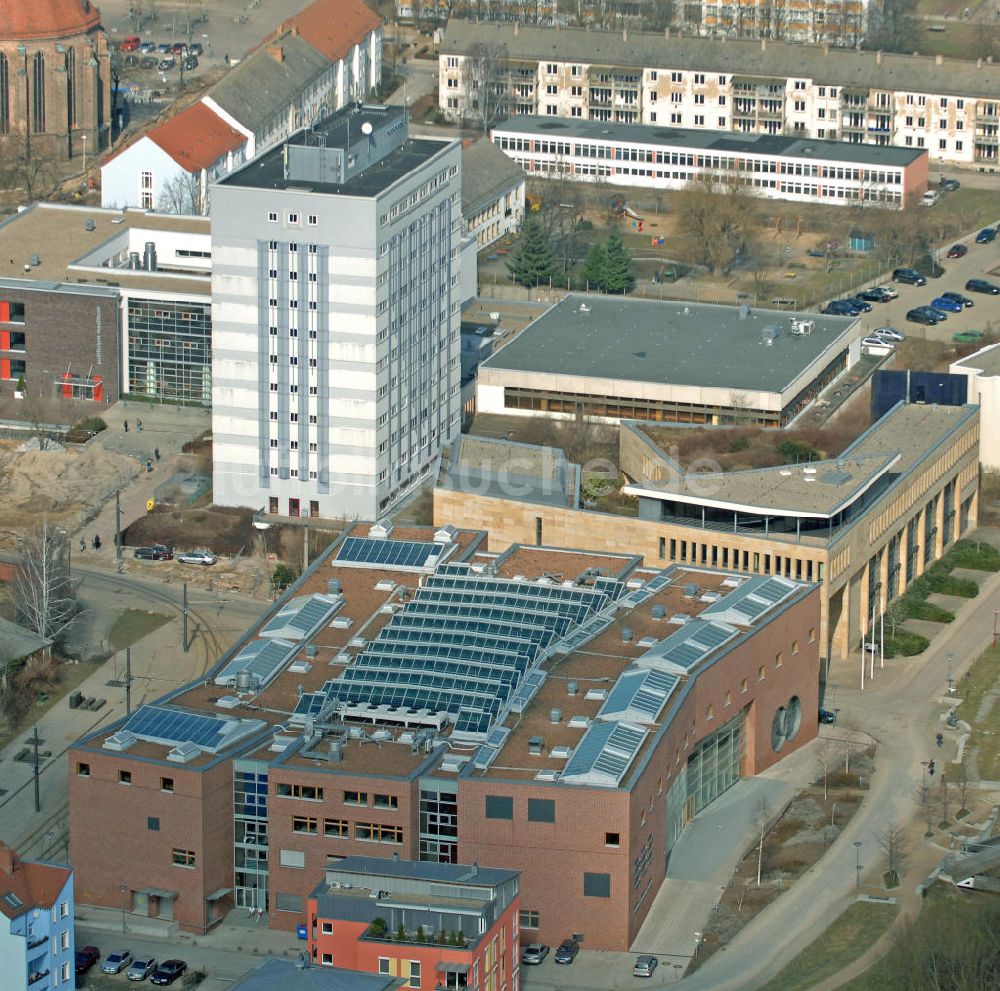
[(857, 866), (123, 888), (951, 681), (83, 138)]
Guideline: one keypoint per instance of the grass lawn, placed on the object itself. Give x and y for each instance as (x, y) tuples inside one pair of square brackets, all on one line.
[(850, 936), (959, 40), (982, 677), (132, 625)]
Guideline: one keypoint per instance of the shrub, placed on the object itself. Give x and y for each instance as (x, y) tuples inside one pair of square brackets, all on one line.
[(91, 424), (906, 644), (283, 576), (975, 555), (739, 444), (378, 927), (921, 609), (797, 450)]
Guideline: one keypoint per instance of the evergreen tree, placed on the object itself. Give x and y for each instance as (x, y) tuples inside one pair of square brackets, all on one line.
[(619, 277), (532, 262), (595, 270)]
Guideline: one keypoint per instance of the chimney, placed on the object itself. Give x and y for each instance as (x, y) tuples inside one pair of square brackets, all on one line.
[(277, 52), (939, 60), (878, 58), (625, 34), (7, 859)]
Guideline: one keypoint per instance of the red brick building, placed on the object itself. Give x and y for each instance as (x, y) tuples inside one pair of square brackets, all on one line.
[(554, 712), (434, 925)]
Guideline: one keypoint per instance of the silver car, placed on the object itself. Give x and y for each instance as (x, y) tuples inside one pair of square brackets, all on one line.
[(889, 333), (116, 961), (141, 969), (197, 557), (645, 966)]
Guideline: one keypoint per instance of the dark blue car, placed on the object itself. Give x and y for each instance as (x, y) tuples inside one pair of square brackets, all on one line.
[(947, 303), (986, 235)]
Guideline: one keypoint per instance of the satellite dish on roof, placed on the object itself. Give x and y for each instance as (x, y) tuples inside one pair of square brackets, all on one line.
[(366, 127)]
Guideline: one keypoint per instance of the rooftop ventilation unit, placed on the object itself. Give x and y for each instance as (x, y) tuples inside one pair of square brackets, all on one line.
[(808, 470), (561, 753), (626, 634), (341, 622), (547, 776), (245, 681), (583, 308), (679, 618), (579, 722), (731, 582), (336, 748), (596, 694), (300, 666), (744, 311), (89, 225), (381, 736), (446, 534), (536, 745), (572, 688), (690, 590), (184, 752), (228, 702), (333, 586), (769, 334), (121, 740), (647, 642), (555, 716), (385, 585), (659, 611), (801, 328), (710, 597), (149, 256), (311, 650), (380, 530), (357, 642)]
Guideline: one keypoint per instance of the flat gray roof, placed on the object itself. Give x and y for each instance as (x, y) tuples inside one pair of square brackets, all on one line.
[(721, 142), (832, 66), (986, 361), (667, 342)]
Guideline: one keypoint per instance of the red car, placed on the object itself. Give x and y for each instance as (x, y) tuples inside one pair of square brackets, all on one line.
[(86, 957), (130, 44), (957, 251)]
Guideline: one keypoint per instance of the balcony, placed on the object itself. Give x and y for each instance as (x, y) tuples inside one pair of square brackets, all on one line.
[(34, 978), (34, 941), (379, 932)]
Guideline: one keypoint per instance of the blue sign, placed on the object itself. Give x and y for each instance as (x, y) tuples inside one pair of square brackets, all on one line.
[(302, 931)]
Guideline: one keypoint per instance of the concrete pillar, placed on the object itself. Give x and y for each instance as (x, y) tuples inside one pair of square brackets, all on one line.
[(939, 524), (864, 614), (883, 577), (921, 522)]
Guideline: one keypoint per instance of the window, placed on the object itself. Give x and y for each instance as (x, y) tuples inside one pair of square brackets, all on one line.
[(272, 218), (551, 68), (308, 792), (541, 810), (699, 120), (596, 885), (414, 979), (327, 959), (729, 698), (327, 928), (374, 832), (292, 858), (699, 79), (288, 903), (710, 713), (529, 918), (386, 802), (355, 798), (125, 777), (183, 858), (612, 839), (761, 673), (65, 971), (304, 824), (166, 784), (83, 770), (153, 823), (64, 910), (292, 218), (336, 827), (812, 634), (312, 220), (383, 965), (795, 646), (499, 807), (743, 686), (778, 660)]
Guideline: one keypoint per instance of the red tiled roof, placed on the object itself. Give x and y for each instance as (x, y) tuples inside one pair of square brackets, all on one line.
[(196, 138), (33, 885), (27, 19), (333, 27)]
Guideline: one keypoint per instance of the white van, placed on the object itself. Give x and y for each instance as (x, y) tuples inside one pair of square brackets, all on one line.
[(931, 197)]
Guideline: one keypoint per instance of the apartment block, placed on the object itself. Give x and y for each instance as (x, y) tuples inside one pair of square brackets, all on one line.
[(336, 297), (948, 107), (810, 22)]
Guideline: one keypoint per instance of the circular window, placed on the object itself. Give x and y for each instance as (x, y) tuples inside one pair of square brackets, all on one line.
[(793, 717), (778, 729)]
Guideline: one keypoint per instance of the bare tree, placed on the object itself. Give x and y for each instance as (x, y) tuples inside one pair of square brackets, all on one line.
[(42, 592), (944, 802), (825, 759), (926, 806), (960, 776), (183, 194), (892, 842), (719, 216), (488, 92), (761, 818)]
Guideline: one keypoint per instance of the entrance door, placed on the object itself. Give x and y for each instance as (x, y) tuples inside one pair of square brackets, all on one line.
[(140, 903), (293, 507)]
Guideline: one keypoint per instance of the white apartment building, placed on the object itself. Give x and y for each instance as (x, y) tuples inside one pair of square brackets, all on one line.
[(492, 192), (773, 167), (336, 310), (950, 108), (811, 22)]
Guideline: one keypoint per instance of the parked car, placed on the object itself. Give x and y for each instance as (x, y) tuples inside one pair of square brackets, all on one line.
[(86, 957), (534, 953), (909, 277), (130, 44), (149, 62), (131, 61), (983, 286), (167, 64), (645, 966), (930, 197), (178, 48), (942, 315), (195, 48), (841, 308), (168, 971), (949, 185), (862, 304), (947, 304), (890, 334), (567, 951), (876, 342), (141, 969), (157, 552), (197, 557), (164, 47), (889, 291), (827, 717), (147, 47), (116, 961), (968, 337), (958, 298), (986, 236), (924, 315), (958, 251), (877, 294), (189, 63)]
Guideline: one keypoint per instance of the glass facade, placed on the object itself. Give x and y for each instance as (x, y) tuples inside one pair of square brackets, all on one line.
[(170, 350), (439, 821), (250, 833)]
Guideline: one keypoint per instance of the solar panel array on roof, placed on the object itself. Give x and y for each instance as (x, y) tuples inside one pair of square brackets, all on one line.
[(401, 555), (604, 754), (298, 617), (639, 695), (463, 644), (261, 659), (687, 647), (746, 604), (310, 704), (161, 724)]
